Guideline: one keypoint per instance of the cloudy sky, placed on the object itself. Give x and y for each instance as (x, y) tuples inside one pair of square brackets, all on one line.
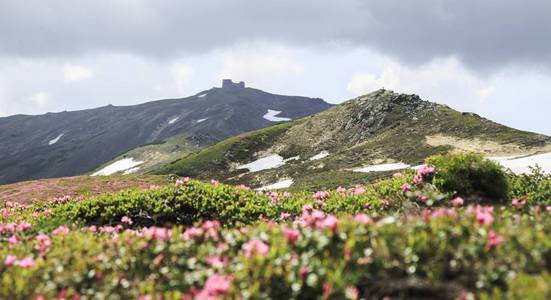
[(492, 57)]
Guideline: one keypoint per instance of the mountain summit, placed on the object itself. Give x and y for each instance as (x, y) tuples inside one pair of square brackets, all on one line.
[(357, 141), (77, 142)]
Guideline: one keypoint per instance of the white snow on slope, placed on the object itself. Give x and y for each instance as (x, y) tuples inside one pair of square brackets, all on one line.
[(202, 95), (271, 116), (278, 185), (51, 142), (172, 121), (130, 171), (268, 162), (320, 155), (125, 164), (382, 168), (201, 120), (521, 165)]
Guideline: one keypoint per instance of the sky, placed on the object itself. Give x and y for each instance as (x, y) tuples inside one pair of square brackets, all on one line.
[(491, 57)]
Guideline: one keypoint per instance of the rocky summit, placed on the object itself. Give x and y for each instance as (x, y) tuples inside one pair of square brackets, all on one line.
[(363, 139)]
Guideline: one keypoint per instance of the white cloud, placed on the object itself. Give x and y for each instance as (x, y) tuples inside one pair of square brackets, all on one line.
[(3, 102), (256, 63), (441, 80), (74, 73), (181, 74), (40, 99)]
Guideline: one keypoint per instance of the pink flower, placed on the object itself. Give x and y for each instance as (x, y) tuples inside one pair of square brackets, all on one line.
[(127, 220), (406, 187), (93, 228), (23, 226), (385, 202), (255, 246), (352, 292), (27, 262), (493, 240), (417, 179), (518, 203), (13, 240), (61, 230), (291, 235), (363, 218), (214, 182), (215, 286), (341, 190), (320, 195), (217, 262), (330, 222), (358, 191), (483, 215), (43, 242), (192, 232), (157, 233), (398, 175), (286, 194), (182, 181), (422, 198), (457, 201), (425, 171), (10, 260), (284, 215)]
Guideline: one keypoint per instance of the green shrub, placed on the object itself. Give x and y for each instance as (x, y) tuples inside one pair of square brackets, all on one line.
[(470, 176), (536, 186)]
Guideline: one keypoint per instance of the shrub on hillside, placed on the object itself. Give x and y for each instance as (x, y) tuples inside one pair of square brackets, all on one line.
[(535, 186), (471, 176)]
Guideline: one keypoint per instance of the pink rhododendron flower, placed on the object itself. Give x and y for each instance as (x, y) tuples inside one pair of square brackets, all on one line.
[(284, 215), (422, 198), (43, 242), (255, 246), (192, 232), (330, 222), (363, 218), (417, 179), (27, 262), (457, 201), (157, 233), (182, 181), (398, 175), (320, 195), (13, 240), (23, 226), (307, 207), (286, 194), (215, 287), (385, 202), (406, 187), (61, 230), (341, 190), (214, 182), (518, 203), (10, 260), (127, 220), (483, 215), (352, 293), (425, 171), (358, 190), (93, 228), (217, 262), (291, 235), (493, 240)]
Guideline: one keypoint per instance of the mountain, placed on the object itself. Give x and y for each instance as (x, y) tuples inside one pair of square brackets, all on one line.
[(362, 139), (77, 142)]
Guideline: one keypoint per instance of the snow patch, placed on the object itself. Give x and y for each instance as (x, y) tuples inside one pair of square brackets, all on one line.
[(268, 162), (278, 185), (202, 95), (51, 142), (130, 171), (172, 121), (382, 168), (201, 120), (322, 154), (521, 165), (271, 116), (125, 164), (292, 158)]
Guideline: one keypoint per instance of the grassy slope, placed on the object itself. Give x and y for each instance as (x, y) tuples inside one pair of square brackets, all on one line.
[(76, 187), (348, 133)]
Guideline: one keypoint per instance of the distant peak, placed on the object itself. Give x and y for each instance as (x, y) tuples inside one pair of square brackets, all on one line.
[(228, 83)]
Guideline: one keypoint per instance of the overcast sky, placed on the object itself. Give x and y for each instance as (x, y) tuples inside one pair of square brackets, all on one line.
[(492, 57)]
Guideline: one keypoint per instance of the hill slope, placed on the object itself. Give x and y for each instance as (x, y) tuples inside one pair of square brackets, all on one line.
[(357, 141), (72, 143)]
